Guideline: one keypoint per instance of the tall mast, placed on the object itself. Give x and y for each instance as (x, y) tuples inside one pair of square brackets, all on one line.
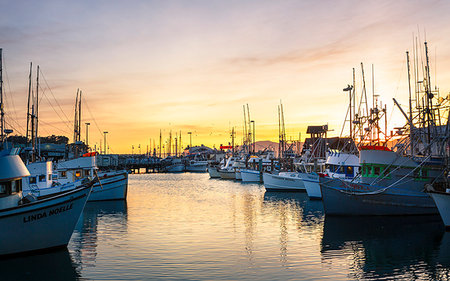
[(79, 118), (160, 140), (245, 131), (37, 109), (75, 124), (411, 135), (28, 106), (2, 113)]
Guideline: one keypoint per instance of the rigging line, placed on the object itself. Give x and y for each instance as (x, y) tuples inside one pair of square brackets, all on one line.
[(17, 123), (45, 80), (396, 91), (92, 116), (9, 88), (64, 122), (15, 129), (53, 126)]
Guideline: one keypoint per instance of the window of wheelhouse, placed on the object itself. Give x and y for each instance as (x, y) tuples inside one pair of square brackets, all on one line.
[(32, 180), (41, 178), (10, 187), (63, 174), (87, 173), (78, 173)]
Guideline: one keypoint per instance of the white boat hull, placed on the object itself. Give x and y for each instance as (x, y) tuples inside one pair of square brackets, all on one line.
[(285, 182), (250, 176), (175, 168), (196, 168), (312, 185), (213, 172), (227, 175), (110, 187), (442, 201), (42, 225)]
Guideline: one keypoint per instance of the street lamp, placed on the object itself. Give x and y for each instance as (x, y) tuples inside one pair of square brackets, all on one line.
[(254, 143), (190, 139), (104, 136), (87, 133)]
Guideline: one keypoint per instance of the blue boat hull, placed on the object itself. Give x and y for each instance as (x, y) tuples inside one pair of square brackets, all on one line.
[(357, 199)]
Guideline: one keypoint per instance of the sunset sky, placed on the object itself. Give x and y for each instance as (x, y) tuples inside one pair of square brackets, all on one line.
[(191, 65)]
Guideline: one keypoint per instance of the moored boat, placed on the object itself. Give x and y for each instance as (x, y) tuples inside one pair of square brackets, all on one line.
[(35, 225), (442, 200), (284, 181)]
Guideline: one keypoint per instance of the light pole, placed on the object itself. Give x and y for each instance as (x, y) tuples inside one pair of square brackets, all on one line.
[(104, 136), (254, 143), (190, 139), (87, 133)]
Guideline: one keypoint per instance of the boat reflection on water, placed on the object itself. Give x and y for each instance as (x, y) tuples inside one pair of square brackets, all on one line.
[(310, 210), (97, 220), (385, 247), (56, 265)]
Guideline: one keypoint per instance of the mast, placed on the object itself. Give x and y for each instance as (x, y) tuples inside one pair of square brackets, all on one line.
[(2, 113), (245, 131), (28, 106), (411, 134), (37, 110), (75, 124), (79, 118), (160, 140)]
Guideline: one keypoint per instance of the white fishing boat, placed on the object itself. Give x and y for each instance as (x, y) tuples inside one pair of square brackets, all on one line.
[(442, 200), (338, 165), (284, 181), (197, 166), (35, 225), (173, 164), (213, 172), (110, 186), (228, 171), (249, 175)]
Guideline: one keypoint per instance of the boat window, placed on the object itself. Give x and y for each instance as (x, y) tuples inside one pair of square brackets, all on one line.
[(41, 178), (376, 171), (349, 170), (3, 188), (49, 177), (341, 169), (87, 173), (32, 180), (16, 186), (78, 173)]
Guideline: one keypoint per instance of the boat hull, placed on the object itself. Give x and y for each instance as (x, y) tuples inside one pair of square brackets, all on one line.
[(213, 172), (357, 199), (175, 168), (238, 175), (199, 168), (227, 175), (285, 182), (42, 225), (250, 176), (442, 201), (312, 185), (111, 186)]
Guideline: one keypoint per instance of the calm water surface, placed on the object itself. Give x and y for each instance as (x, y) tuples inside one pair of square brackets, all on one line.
[(190, 227)]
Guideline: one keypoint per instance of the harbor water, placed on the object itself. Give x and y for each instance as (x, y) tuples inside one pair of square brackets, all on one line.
[(189, 227)]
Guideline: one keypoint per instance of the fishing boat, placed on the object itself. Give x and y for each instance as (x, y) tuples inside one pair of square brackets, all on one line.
[(227, 172), (30, 225), (338, 165), (393, 181), (173, 164), (284, 181), (111, 185), (442, 200)]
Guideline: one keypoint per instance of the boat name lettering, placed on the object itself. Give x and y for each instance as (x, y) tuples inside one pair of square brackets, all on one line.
[(354, 186), (52, 212)]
